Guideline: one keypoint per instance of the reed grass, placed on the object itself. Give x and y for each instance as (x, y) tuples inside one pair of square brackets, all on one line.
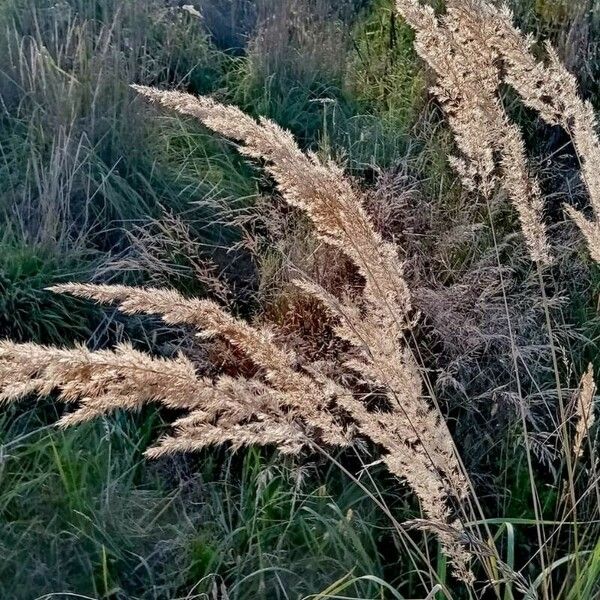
[(419, 347)]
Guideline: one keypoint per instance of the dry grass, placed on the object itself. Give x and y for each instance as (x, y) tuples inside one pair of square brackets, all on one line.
[(372, 382), (283, 405)]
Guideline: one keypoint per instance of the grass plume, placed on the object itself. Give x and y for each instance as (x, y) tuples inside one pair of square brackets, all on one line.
[(293, 402)]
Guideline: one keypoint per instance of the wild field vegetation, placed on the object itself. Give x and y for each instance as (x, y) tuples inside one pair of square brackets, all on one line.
[(349, 266)]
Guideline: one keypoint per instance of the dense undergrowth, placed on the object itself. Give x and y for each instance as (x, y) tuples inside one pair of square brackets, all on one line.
[(95, 187)]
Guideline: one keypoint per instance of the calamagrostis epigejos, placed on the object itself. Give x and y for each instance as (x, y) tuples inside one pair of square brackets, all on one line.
[(286, 404)]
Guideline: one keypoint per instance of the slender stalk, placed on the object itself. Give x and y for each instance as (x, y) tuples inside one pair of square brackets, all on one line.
[(567, 447)]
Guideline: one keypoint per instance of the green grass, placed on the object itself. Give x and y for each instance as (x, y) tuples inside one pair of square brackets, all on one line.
[(79, 160), (78, 508), (27, 310), (82, 512)]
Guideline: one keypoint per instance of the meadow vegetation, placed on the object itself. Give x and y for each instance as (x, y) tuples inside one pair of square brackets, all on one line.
[(348, 252)]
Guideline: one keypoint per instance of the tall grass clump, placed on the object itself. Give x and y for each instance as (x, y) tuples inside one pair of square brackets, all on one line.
[(80, 165), (109, 526), (294, 65), (291, 406), (440, 345), (341, 76)]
